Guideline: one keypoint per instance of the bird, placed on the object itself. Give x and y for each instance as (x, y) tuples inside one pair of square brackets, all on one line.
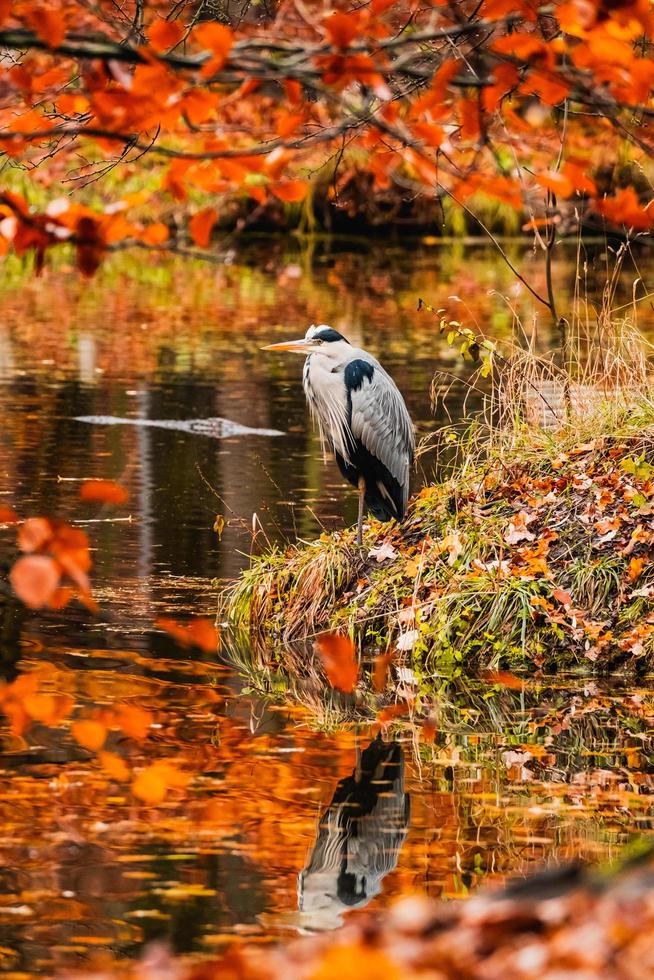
[(360, 836), (361, 417)]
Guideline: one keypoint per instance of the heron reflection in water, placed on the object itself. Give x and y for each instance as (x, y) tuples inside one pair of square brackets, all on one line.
[(359, 838)]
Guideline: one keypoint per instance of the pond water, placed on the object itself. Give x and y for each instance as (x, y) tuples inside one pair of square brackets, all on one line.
[(290, 819)]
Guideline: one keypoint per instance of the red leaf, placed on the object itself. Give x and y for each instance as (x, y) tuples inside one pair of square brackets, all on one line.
[(103, 492), (200, 226), (341, 28), (164, 34), (339, 661), (34, 579)]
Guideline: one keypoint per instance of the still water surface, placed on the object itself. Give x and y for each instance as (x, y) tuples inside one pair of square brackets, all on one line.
[(290, 822)]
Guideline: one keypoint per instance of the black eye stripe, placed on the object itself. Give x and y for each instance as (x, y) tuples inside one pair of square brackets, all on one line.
[(328, 335)]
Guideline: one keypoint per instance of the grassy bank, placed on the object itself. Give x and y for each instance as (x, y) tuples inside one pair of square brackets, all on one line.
[(535, 554)]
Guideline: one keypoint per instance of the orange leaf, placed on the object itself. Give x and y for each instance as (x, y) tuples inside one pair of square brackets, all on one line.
[(579, 178), (215, 38), (380, 671), (429, 730), (34, 533), (341, 28), (114, 766), (103, 492), (164, 34), (392, 711), (549, 89), (133, 721), (200, 226), (469, 111), (339, 661), (34, 579), (150, 785), (8, 515), (555, 182), (290, 190), (153, 782), (155, 234), (504, 679), (199, 633), (636, 566), (48, 24), (198, 105), (89, 734), (625, 209), (288, 123), (430, 133)]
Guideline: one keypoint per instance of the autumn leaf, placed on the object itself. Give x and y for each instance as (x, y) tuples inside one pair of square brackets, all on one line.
[(47, 23), (290, 190), (151, 785), (555, 182), (34, 534), (393, 711), (341, 28), (114, 766), (199, 632), (103, 492), (503, 679), (155, 234), (164, 34), (48, 708), (380, 670), (216, 38), (200, 226), (89, 734), (34, 579), (624, 208), (635, 569), (133, 720), (339, 661)]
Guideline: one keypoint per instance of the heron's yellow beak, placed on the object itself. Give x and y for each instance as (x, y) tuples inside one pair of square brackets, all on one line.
[(302, 346)]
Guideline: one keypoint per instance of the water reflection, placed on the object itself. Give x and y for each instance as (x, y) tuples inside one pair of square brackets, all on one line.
[(215, 428), (359, 837), (512, 781)]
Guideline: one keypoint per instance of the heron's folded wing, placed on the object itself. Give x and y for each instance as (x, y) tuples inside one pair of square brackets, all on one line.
[(381, 422)]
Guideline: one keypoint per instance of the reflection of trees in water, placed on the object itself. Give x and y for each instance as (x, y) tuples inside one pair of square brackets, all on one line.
[(359, 837)]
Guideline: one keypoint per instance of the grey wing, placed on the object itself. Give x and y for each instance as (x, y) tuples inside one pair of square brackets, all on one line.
[(381, 421)]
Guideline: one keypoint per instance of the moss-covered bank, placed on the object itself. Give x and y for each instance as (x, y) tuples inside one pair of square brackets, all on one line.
[(536, 555)]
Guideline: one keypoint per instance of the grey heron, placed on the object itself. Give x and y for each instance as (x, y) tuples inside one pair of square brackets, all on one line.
[(361, 417), (359, 839)]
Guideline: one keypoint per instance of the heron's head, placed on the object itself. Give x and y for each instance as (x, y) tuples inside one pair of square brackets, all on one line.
[(322, 340)]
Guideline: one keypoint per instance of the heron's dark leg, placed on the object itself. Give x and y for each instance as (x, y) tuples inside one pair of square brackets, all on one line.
[(362, 491)]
